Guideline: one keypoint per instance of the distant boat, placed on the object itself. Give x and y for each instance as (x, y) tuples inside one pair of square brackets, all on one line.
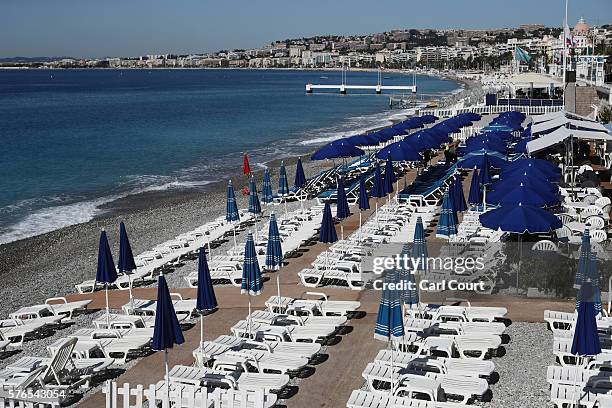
[(323, 77), (386, 77)]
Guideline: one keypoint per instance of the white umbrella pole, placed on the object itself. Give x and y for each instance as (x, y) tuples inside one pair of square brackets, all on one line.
[(201, 339), (359, 225), (234, 228), (167, 378), (130, 290), (377, 212), (484, 197), (341, 231), (107, 307), (285, 208), (278, 290), (249, 323), (391, 371), (210, 254)]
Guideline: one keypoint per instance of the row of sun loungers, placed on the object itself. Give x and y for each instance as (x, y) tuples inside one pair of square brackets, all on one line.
[(434, 369), (590, 380), (149, 262)]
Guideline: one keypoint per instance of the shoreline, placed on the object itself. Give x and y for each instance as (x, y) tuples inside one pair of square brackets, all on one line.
[(50, 264), (106, 206)]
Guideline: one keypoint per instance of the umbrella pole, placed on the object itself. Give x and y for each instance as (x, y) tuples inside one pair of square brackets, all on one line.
[(391, 371), (167, 378), (278, 290), (130, 290), (107, 308), (285, 207), (484, 198), (360, 227), (210, 254), (519, 265), (249, 322), (341, 232), (201, 339), (234, 228), (377, 212)]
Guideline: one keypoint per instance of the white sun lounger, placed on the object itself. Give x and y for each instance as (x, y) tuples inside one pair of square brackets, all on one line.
[(236, 379), (370, 399), (16, 331), (321, 306), (455, 366), (301, 349), (314, 278), (295, 333), (493, 328), (263, 361), (464, 387), (263, 316)]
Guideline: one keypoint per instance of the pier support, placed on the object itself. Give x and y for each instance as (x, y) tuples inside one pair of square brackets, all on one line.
[(308, 88), (378, 90), (343, 90)]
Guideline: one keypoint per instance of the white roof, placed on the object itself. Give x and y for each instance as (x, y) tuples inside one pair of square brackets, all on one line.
[(563, 122), (538, 80), (547, 116), (559, 135)]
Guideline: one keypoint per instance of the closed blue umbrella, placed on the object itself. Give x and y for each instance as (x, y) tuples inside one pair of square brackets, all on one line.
[(206, 299), (389, 322), (409, 294), (167, 331), (106, 272), (485, 171), (327, 233), (458, 196), (283, 186), (327, 230), (274, 251), (419, 246), (588, 272), (231, 209), (300, 177), (254, 205), (363, 201), (266, 190), (342, 206), (389, 178), (252, 283), (126, 263), (586, 340), (378, 189), (447, 226), (475, 196)]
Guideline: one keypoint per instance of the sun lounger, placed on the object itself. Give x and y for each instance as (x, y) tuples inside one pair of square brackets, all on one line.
[(263, 361), (236, 379), (52, 375), (268, 317), (294, 333), (301, 349), (453, 327), (16, 331), (320, 306), (465, 388), (314, 278), (563, 395), (426, 399), (455, 366)]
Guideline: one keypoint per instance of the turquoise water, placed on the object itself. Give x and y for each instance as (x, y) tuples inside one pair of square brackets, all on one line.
[(75, 139)]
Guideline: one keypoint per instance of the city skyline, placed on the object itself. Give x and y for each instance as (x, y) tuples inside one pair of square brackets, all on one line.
[(76, 29)]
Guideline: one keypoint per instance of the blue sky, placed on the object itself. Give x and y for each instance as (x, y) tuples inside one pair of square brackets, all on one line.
[(92, 28)]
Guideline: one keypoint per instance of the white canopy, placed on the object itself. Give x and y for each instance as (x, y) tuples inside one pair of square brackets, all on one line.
[(529, 79), (547, 116), (559, 135), (563, 122)]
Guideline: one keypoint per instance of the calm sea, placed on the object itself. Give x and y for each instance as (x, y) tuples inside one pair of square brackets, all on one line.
[(72, 140)]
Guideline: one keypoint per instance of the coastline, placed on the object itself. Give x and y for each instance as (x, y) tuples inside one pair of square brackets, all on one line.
[(48, 265)]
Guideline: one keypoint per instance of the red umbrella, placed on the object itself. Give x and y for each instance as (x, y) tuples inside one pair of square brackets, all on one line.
[(246, 169)]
